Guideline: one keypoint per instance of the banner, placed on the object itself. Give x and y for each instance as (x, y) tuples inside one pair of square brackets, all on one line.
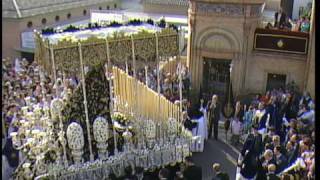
[(27, 40), (106, 17)]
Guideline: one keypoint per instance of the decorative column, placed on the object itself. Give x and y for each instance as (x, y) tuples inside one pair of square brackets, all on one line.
[(85, 102), (309, 76), (192, 49)]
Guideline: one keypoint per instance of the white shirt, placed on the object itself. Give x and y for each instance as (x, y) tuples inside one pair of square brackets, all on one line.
[(309, 115), (236, 127)]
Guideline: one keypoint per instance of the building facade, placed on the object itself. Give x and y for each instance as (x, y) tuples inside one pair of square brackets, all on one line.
[(20, 16), (226, 32), (166, 6)]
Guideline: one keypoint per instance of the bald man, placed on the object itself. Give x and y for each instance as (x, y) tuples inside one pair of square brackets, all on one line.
[(214, 116)]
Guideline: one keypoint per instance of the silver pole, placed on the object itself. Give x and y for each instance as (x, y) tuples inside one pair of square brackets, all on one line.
[(53, 65), (127, 68), (111, 98), (133, 57), (158, 73), (85, 102), (180, 76), (146, 74)]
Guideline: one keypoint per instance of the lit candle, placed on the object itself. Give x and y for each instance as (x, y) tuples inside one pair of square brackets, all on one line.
[(146, 74)]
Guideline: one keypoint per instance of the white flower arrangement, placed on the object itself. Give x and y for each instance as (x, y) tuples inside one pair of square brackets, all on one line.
[(100, 129), (120, 118), (75, 136)]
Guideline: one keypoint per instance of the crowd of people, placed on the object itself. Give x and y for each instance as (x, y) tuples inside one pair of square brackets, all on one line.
[(23, 84), (279, 126), (186, 170), (282, 21), (281, 138), (278, 133)]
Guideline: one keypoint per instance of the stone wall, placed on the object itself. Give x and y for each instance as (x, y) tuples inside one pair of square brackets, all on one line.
[(260, 64), (165, 9), (310, 70), (12, 27), (221, 31)]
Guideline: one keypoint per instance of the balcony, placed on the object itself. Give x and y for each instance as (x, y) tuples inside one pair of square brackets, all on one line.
[(282, 41)]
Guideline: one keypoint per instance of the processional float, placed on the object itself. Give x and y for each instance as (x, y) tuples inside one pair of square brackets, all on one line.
[(70, 139)]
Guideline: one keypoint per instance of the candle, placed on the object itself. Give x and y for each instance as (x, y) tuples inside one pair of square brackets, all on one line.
[(146, 74)]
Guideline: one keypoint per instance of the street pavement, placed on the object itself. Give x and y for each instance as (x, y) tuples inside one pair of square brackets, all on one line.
[(217, 152)]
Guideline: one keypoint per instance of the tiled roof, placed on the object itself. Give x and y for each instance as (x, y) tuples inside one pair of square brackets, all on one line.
[(26, 8)]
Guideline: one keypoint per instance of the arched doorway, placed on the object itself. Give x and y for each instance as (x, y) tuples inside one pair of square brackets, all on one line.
[(216, 49), (216, 75)]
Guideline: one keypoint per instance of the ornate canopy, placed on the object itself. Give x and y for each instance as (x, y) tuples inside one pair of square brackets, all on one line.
[(65, 55)]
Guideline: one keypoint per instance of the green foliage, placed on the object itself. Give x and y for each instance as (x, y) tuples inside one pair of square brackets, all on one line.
[(162, 23), (135, 22), (114, 24), (150, 21), (71, 28), (48, 31)]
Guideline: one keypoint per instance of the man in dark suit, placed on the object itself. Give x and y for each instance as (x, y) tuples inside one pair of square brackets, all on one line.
[(281, 160), (214, 109), (192, 172), (280, 19), (219, 174), (257, 143), (263, 163), (271, 173), (248, 166), (268, 137)]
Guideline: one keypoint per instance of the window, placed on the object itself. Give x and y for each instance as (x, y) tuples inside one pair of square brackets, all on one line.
[(108, 7), (115, 6), (57, 18), (69, 16), (100, 8), (84, 12), (29, 25), (44, 21)]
